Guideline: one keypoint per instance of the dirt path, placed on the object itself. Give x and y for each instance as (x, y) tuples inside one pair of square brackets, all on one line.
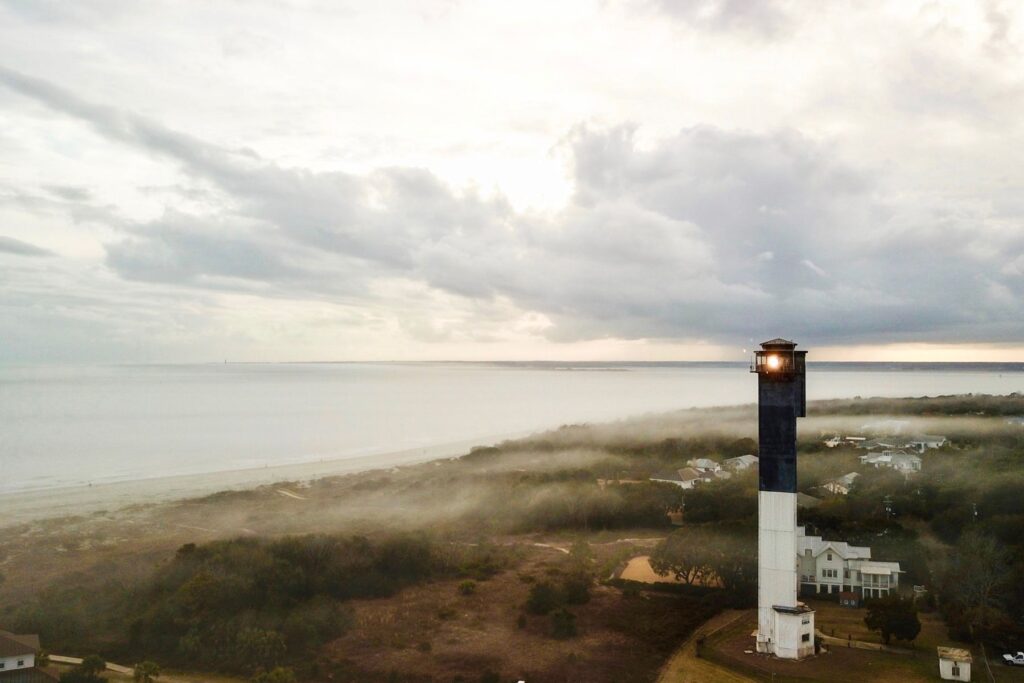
[(686, 667)]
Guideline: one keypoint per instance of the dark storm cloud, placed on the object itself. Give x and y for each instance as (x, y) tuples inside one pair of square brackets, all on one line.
[(708, 234), (9, 245)]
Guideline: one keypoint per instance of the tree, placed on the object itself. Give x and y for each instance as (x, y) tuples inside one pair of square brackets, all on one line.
[(260, 646), (685, 555), (93, 665), (543, 598), (576, 588), (722, 555), (146, 672), (563, 624), (973, 584), (87, 672), (894, 617), (581, 555)]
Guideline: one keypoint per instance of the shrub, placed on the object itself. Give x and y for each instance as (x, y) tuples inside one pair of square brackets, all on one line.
[(563, 624), (576, 588), (543, 598), (467, 587)]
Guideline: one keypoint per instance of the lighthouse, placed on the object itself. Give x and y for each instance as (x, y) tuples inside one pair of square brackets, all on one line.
[(785, 627)]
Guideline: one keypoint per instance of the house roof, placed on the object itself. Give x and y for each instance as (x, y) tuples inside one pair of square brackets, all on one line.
[(689, 474), (743, 460), (799, 608), (804, 500), (704, 463), (818, 545), (666, 476), (955, 654), (12, 644)]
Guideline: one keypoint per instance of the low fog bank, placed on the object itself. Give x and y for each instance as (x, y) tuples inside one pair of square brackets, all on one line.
[(576, 482)]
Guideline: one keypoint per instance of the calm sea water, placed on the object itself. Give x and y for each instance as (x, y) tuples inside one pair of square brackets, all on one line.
[(67, 426)]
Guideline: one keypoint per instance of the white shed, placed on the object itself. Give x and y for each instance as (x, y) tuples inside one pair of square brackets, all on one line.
[(954, 664)]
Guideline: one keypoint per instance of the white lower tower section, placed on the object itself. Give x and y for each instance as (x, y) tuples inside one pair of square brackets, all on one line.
[(785, 627)]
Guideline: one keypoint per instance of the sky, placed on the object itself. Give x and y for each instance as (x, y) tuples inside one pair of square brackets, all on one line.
[(608, 180)]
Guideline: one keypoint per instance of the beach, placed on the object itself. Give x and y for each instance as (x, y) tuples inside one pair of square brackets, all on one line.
[(27, 506)]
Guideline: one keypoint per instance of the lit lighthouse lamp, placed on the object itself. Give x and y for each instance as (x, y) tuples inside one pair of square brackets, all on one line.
[(785, 627)]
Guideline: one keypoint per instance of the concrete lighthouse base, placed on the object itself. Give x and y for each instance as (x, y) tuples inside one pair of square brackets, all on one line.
[(785, 627)]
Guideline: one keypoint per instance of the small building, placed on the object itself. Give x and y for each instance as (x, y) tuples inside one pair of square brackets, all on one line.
[(954, 664), (704, 465), (833, 441), (849, 599), (794, 631), (740, 463), (18, 659), (841, 485)]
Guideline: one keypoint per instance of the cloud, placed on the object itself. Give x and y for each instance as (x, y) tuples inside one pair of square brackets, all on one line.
[(708, 234), (764, 18), (9, 245)]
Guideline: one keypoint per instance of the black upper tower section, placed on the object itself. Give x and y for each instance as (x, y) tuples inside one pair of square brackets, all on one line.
[(782, 398)]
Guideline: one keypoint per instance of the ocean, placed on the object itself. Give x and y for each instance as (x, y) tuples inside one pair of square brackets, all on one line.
[(68, 426)]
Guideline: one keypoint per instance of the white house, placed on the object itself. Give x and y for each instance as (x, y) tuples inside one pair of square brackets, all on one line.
[(833, 441), (836, 566), (954, 664), (703, 465), (740, 463), (901, 461), (17, 652), (841, 485)]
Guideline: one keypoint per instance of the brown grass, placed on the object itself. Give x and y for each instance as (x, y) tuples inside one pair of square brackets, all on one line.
[(432, 632)]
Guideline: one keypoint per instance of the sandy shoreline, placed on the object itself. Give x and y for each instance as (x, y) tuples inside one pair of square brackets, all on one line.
[(25, 506)]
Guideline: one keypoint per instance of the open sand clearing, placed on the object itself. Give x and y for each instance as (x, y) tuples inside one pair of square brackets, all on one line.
[(27, 506), (639, 569)]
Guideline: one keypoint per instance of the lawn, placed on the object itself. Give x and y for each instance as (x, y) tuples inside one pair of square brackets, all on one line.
[(729, 648)]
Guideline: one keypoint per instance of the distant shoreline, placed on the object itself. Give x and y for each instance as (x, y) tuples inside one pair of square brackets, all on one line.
[(18, 507)]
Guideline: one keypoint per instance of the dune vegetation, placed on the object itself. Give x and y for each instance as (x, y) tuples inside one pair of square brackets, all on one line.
[(429, 572)]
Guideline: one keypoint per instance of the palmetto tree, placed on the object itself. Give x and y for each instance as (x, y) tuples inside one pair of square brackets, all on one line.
[(146, 672)]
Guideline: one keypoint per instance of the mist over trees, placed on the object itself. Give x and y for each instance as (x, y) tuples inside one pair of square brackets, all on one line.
[(254, 605)]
